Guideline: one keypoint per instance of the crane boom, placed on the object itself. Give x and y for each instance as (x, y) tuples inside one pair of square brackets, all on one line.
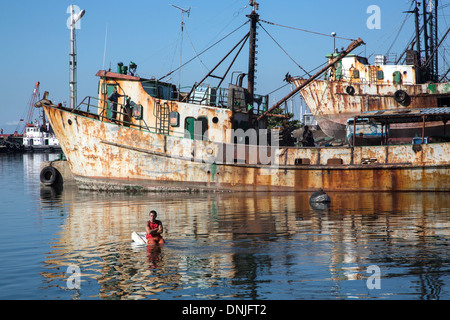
[(33, 99)]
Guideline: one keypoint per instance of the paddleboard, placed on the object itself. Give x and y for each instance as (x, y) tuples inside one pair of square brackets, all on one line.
[(139, 237)]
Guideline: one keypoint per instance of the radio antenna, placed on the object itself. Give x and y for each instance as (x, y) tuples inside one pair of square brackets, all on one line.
[(104, 50), (183, 11)]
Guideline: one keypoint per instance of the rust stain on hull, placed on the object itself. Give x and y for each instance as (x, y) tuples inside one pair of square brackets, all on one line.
[(106, 156), (332, 105)]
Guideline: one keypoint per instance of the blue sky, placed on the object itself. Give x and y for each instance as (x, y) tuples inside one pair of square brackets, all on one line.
[(35, 41)]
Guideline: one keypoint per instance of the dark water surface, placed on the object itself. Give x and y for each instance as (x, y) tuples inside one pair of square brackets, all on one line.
[(218, 246)]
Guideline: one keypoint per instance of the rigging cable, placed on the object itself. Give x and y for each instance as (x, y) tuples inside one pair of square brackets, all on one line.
[(284, 85), (398, 33), (204, 51), (283, 50), (304, 30), (195, 51)]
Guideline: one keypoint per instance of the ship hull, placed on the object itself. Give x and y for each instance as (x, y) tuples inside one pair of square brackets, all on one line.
[(106, 156), (332, 106)]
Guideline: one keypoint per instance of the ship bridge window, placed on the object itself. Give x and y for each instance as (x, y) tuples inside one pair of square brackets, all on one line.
[(380, 75), (160, 90), (363, 60)]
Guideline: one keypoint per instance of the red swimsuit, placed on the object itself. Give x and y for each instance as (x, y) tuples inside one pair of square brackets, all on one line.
[(154, 225)]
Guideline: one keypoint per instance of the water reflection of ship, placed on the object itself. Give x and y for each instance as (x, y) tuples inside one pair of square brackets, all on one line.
[(32, 162), (204, 236)]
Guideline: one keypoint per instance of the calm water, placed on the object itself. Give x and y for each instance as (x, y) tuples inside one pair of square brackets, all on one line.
[(218, 246)]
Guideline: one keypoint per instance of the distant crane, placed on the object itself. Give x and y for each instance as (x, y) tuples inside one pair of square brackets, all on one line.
[(20, 129)]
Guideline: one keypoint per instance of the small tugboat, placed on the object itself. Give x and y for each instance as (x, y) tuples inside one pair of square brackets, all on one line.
[(143, 134), (30, 136), (40, 139)]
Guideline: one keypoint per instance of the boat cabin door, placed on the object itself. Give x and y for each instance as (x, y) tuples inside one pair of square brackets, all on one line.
[(109, 91), (196, 128)]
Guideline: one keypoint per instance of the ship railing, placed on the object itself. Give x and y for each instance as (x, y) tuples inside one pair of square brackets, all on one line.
[(209, 96), (354, 75), (128, 114), (96, 111), (233, 98), (124, 113)]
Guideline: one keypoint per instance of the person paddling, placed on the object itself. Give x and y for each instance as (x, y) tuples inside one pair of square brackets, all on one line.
[(154, 229)]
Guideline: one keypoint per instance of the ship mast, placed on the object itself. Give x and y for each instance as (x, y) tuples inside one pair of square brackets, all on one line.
[(429, 66), (254, 18), (74, 18), (183, 11)]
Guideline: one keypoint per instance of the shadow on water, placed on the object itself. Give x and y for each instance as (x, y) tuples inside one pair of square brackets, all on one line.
[(254, 246)]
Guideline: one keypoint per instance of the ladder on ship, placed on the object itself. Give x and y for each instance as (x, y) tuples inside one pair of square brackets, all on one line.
[(162, 117), (372, 75)]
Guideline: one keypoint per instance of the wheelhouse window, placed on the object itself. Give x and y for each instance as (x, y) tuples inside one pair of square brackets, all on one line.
[(160, 90)]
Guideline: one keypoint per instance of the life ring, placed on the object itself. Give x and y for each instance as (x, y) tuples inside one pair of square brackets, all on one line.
[(400, 96), (49, 176), (350, 90)]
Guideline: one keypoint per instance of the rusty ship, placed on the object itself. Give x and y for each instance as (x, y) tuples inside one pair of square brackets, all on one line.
[(353, 85), (156, 138)]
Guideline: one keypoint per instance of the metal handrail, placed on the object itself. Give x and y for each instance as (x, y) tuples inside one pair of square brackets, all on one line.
[(226, 98), (102, 111)]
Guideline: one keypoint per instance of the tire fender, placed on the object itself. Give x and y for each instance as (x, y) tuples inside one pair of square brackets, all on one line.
[(400, 96), (48, 176), (350, 90)]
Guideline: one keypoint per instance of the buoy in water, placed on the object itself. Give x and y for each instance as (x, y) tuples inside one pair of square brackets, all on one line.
[(319, 197), (319, 200)]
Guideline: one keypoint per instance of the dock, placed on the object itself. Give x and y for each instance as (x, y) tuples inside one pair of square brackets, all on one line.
[(56, 173)]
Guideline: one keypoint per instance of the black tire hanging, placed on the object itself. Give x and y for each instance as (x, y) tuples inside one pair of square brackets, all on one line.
[(350, 90), (49, 176), (400, 96)]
